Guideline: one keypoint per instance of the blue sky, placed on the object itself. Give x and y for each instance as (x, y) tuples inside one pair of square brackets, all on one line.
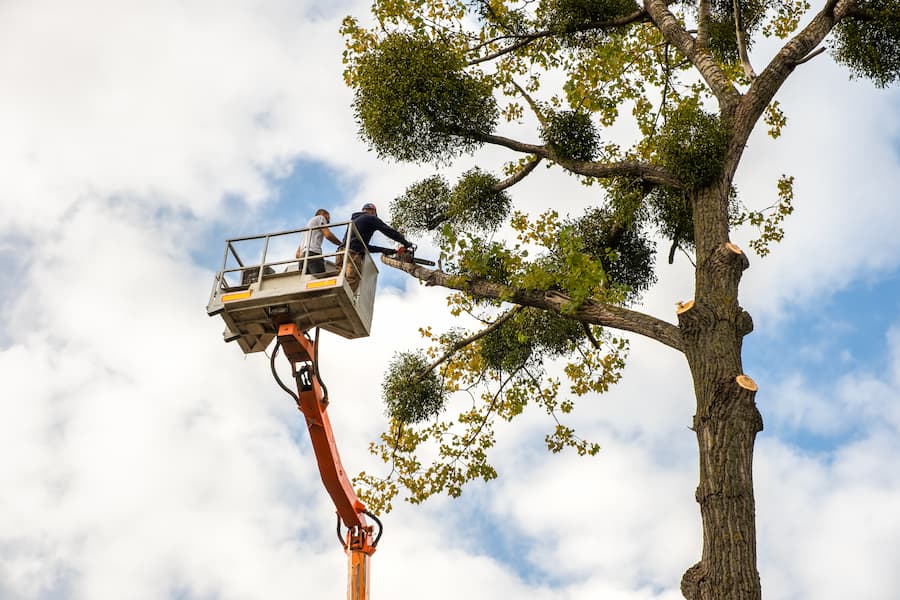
[(146, 459)]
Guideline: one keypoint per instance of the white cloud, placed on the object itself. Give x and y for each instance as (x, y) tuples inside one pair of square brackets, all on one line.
[(843, 155), (176, 103)]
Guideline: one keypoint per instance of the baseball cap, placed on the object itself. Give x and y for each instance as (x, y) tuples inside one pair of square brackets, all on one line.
[(369, 205)]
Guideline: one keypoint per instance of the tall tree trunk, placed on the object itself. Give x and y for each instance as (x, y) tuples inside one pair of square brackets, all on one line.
[(726, 422)]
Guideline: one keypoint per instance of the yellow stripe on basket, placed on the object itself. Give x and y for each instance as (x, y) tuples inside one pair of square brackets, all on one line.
[(321, 283), (238, 296)]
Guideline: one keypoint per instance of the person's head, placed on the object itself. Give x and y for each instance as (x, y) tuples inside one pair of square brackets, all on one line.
[(369, 208), (324, 213)]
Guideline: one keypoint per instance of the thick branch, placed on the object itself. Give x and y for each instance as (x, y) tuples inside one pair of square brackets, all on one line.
[(605, 315), (764, 87), (643, 171), (703, 17), (631, 168), (519, 176), (699, 56)]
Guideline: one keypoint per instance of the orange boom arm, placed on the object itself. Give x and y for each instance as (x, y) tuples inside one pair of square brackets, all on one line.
[(360, 544)]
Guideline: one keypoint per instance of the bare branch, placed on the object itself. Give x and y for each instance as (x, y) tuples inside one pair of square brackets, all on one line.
[(526, 39), (741, 37), (590, 336), (646, 172), (809, 57), (595, 313), (534, 106), (472, 338), (699, 56), (524, 42), (516, 178)]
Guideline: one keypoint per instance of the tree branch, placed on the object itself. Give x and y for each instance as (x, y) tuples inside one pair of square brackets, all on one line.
[(699, 56), (534, 106), (640, 170), (703, 16), (643, 171), (766, 85), (525, 39), (741, 37), (595, 313), (810, 56), (517, 177), (472, 338)]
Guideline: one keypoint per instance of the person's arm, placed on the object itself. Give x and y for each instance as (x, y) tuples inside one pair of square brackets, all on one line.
[(375, 249), (393, 233), (331, 237)]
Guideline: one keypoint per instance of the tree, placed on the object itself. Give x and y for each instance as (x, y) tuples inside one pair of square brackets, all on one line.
[(436, 80)]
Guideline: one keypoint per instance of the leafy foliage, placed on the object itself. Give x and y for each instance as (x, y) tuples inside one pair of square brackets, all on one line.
[(869, 44), (432, 78), (722, 32), (412, 392), (529, 338), (473, 204), (414, 101), (622, 247), (423, 206), (692, 144), (572, 135), (584, 22), (783, 18), (460, 446), (769, 221), (476, 203)]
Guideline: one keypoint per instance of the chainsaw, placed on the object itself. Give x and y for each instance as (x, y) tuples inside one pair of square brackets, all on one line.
[(408, 255)]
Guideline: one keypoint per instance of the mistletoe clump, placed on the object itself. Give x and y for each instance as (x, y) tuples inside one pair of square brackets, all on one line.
[(722, 33), (692, 145), (626, 253), (412, 392), (475, 203), (572, 135), (870, 45), (574, 16), (414, 101), (527, 339), (423, 206)]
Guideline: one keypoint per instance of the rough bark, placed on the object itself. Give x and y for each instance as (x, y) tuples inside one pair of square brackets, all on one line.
[(595, 313), (727, 419)]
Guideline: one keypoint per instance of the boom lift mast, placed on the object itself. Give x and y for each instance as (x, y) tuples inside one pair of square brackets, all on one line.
[(279, 298), (313, 403)]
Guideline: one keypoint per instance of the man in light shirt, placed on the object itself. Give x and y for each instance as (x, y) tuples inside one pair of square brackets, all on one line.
[(311, 248)]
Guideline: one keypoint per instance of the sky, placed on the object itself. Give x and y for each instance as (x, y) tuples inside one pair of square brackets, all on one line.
[(142, 457)]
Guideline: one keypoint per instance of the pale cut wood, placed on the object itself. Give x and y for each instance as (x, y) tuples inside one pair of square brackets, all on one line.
[(684, 306), (745, 382), (734, 248)]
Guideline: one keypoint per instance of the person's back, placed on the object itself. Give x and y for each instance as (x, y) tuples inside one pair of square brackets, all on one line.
[(311, 248), (366, 223)]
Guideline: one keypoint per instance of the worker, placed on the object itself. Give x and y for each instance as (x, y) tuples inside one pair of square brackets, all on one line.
[(366, 223), (311, 247)]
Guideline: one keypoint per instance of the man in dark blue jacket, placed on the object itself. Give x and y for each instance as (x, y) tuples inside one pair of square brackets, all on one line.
[(366, 223)]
